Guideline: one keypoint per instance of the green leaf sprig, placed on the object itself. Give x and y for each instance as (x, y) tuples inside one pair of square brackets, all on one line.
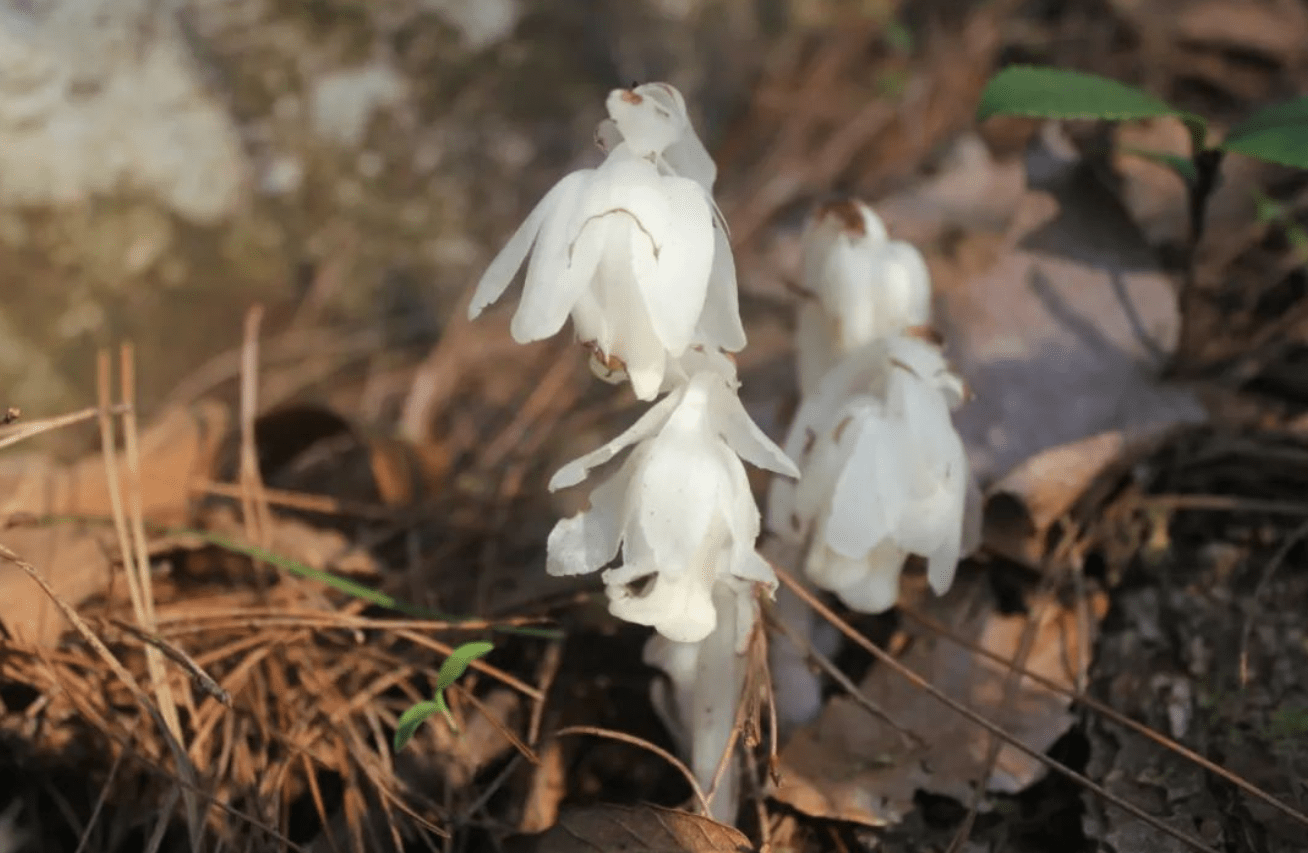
[(454, 667)]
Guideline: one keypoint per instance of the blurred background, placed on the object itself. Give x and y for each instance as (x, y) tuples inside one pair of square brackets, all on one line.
[(353, 165)]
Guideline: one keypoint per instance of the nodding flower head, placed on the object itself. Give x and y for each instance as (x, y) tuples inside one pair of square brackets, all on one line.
[(653, 122), (885, 474), (864, 285), (679, 510), (636, 254)]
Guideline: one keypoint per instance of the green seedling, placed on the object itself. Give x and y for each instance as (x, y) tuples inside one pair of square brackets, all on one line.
[(454, 667)]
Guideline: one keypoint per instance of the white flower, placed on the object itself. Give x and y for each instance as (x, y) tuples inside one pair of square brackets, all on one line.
[(679, 508), (884, 473), (653, 121), (865, 287), (634, 252)]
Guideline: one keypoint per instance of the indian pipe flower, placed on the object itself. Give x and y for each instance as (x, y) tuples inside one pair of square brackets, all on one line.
[(885, 474), (679, 508), (634, 252), (864, 287)]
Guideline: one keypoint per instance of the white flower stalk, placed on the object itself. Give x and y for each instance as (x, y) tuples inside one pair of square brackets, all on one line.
[(707, 678), (679, 508), (865, 287), (884, 474), (633, 251)]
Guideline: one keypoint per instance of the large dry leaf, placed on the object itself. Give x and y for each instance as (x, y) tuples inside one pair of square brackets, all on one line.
[(76, 556), (852, 765), (1052, 305), (637, 829)]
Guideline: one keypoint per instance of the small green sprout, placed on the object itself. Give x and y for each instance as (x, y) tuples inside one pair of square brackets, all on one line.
[(454, 667)]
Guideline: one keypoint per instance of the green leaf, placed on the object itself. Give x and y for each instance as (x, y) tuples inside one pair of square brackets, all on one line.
[(411, 719), (1278, 133), (1028, 90), (457, 663)]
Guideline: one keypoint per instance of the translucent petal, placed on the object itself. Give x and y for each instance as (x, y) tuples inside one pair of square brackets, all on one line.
[(647, 124), (832, 571), (744, 437), (742, 519), (904, 286), (554, 207), (719, 323), (689, 158), (877, 590), (568, 251), (589, 539), (842, 225), (678, 492), (868, 498), (649, 423), (678, 606), (678, 218), (635, 340)]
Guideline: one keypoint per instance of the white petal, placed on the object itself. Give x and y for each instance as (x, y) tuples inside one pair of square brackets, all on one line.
[(555, 205), (678, 218), (635, 340), (561, 269), (905, 286), (876, 588), (744, 437), (590, 539), (678, 491), (742, 518), (868, 498), (607, 135), (689, 158), (648, 424), (719, 323), (680, 607), (649, 121)]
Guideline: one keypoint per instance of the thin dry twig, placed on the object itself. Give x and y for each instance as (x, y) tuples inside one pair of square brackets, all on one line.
[(826, 665), (1113, 714), (99, 804), (203, 679), (918, 681), (184, 766), (306, 501), (646, 745), (17, 432), (551, 659), (1295, 537), (254, 503)]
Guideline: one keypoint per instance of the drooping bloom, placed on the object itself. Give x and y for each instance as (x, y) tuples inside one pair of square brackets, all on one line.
[(633, 251), (885, 474), (865, 287), (679, 508)]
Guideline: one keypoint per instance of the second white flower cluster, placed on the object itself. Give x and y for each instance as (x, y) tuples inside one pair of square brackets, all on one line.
[(885, 474)]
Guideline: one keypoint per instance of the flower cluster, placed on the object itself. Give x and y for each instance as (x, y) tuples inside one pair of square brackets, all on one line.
[(635, 252), (885, 474)]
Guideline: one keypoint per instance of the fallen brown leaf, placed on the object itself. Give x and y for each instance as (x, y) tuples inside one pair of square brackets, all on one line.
[(70, 547), (635, 829), (1052, 304), (851, 765)]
